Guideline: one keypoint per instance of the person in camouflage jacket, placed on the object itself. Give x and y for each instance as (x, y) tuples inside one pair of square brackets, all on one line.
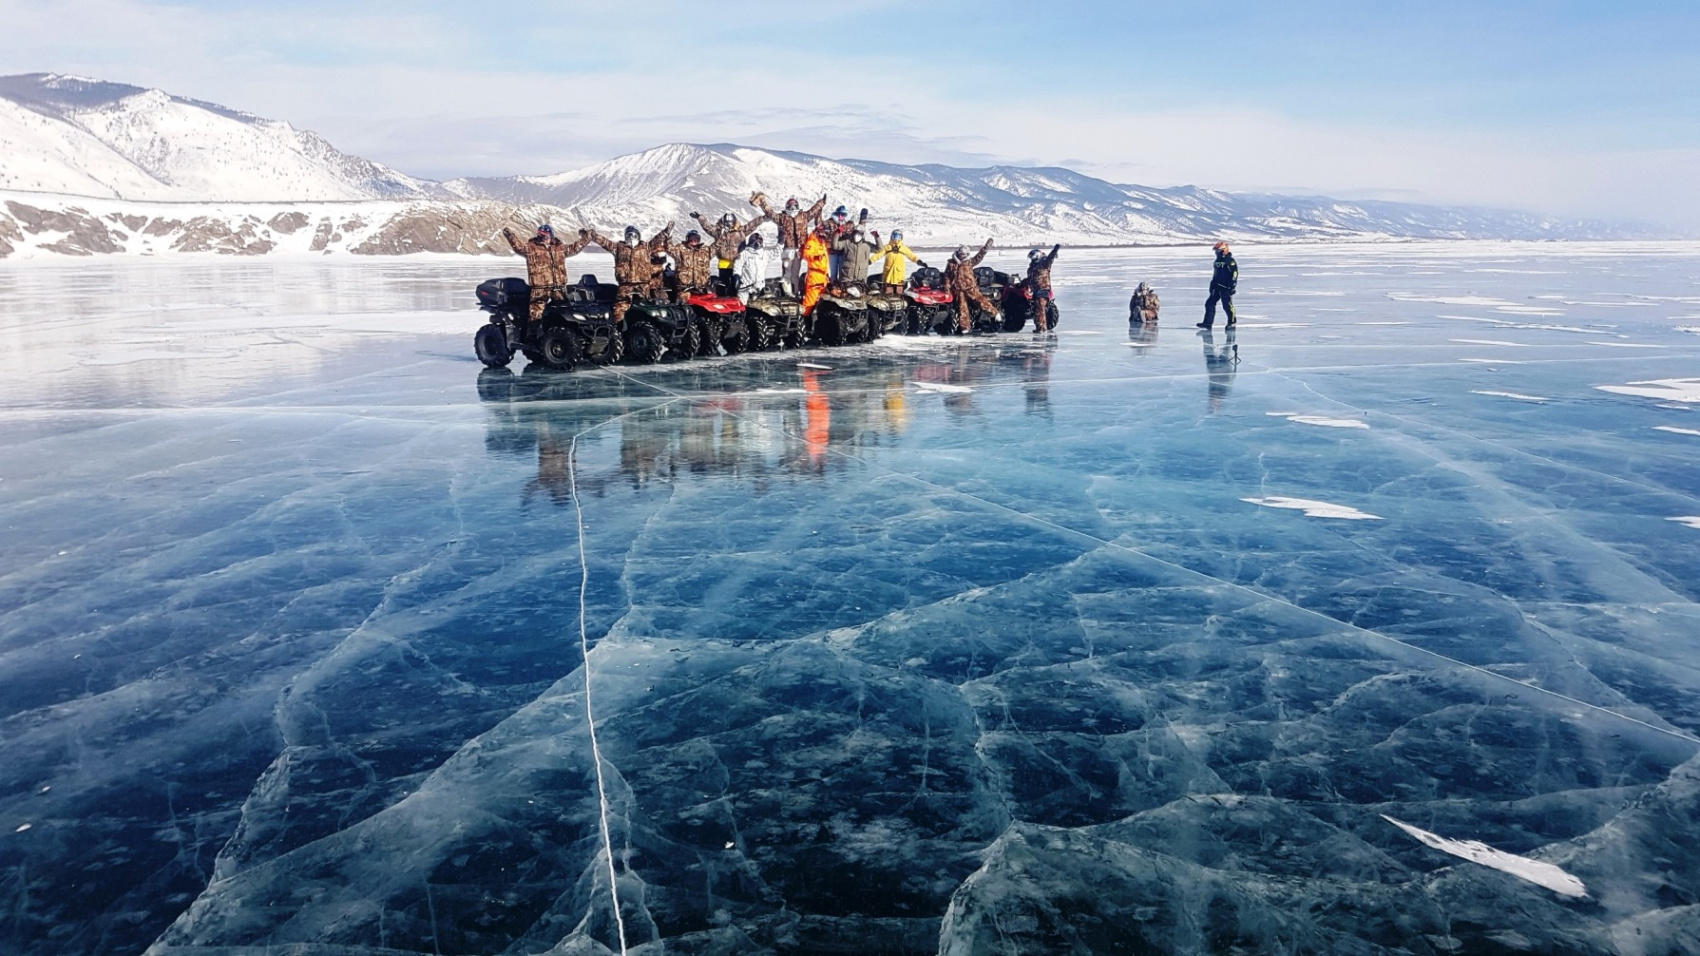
[(693, 263), (727, 236), (1039, 282), (634, 264), (545, 264), (959, 281), (793, 226)]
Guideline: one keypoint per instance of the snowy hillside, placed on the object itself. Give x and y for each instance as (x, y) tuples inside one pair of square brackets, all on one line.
[(66, 134), (944, 205), (83, 162)]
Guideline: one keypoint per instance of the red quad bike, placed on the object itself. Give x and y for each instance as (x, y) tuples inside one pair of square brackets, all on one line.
[(930, 306), (1017, 305), (722, 328)]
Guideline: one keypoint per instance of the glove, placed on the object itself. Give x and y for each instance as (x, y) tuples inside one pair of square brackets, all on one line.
[(864, 216), (922, 263), (584, 233)]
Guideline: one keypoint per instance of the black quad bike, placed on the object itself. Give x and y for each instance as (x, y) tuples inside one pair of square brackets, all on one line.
[(575, 328), (775, 318), (842, 318)]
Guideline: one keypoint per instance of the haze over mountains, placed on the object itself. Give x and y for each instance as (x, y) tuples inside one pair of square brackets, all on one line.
[(87, 166)]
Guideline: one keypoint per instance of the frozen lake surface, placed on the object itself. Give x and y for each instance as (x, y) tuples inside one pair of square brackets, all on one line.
[(1369, 629)]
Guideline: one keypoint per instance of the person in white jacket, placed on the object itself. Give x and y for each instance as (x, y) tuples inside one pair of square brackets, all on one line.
[(751, 267)]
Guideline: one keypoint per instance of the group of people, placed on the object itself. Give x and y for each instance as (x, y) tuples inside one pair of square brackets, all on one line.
[(1224, 282), (815, 252)]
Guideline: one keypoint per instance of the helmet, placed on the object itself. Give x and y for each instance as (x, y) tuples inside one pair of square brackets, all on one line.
[(632, 234), (896, 235), (792, 203), (546, 230), (693, 236), (840, 213), (728, 220), (857, 234), (754, 241), (1220, 246), (961, 252), (1034, 253)]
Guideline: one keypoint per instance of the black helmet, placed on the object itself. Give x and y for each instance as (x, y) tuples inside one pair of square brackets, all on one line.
[(755, 241), (840, 213), (546, 230), (693, 235), (1034, 253), (632, 233)]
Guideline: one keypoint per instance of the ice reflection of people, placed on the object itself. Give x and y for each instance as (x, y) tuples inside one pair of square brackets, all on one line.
[(1220, 365), (1036, 377), (817, 411), (1143, 335)]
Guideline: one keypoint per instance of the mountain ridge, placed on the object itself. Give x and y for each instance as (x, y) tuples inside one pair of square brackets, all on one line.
[(67, 137)]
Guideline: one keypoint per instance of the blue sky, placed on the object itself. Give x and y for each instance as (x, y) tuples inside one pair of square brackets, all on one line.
[(1561, 107)]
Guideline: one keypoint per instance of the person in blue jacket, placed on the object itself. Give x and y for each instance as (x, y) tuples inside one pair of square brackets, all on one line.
[(1223, 282)]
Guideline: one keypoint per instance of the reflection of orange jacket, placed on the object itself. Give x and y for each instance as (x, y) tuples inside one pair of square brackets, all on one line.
[(817, 434)]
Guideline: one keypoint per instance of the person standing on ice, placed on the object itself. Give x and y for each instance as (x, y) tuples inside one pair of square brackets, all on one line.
[(893, 271), (815, 275), (545, 264), (1039, 283), (751, 268), (634, 264), (1224, 280), (692, 264), (959, 281), (855, 253), (793, 226), (728, 235)]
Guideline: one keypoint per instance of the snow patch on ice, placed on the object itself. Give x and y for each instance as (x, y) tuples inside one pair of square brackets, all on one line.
[(1314, 509), (1675, 430), (1520, 397), (1492, 361), (1665, 389), (1320, 420), (1535, 871), (1528, 310), (1691, 521), (1627, 345), (1513, 345), (1448, 299), (1272, 325), (941, 387)]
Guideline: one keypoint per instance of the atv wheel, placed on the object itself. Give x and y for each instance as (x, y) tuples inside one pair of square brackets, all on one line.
[(559, 348), (615, 350), (737, 337), (532, 355), (693, 341), (1013, 321), (761, 334), (490, 344), (643, 343), (1052, 313)]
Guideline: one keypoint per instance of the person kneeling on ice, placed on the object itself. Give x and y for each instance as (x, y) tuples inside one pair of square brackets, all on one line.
[(751, 268), (1142, 307), (545, 264), (894, 270), (960, 283), (1224, 280), (1039, 283)]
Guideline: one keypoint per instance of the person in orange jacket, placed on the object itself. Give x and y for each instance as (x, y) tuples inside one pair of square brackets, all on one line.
[(815, 264)]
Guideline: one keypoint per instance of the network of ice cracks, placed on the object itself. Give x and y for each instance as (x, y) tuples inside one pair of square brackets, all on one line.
[(1370, 629)]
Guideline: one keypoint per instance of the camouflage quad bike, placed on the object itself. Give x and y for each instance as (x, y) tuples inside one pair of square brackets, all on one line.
[(992, 285), (886, 313), (775, 318), (929, 305), (842, 318)]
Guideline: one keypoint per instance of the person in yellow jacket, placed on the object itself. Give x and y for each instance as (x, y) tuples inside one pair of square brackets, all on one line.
[(815, 262), (894, 252)]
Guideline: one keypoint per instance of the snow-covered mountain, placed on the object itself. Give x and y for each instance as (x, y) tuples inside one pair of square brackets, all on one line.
[(88, 167), (943, 204), (68, 134)]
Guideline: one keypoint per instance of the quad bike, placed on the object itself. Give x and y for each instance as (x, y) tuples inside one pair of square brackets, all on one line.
[(929, 305), (1017, 302), (886, 313), (721, 321), (842, 317), (775, 317), (577, 327)]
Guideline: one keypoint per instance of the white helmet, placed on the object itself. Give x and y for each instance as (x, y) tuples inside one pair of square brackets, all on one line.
[(961, 252)]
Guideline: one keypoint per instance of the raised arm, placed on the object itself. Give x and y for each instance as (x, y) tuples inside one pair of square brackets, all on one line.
[(978, 256), (813, 212), (577, 245), (598, 238), (1053, 255), (663, 238), (759, 200), (517, 244)]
